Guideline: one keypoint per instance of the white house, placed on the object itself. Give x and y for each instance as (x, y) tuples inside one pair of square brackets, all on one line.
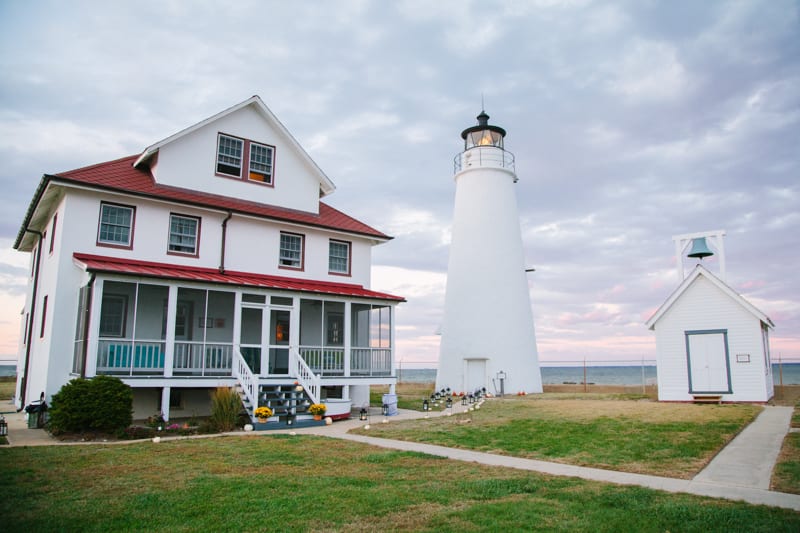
[(488, 339), (711, 344), (207, 260)]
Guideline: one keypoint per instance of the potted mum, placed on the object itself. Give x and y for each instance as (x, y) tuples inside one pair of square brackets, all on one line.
[(318, 410), (263, 413)]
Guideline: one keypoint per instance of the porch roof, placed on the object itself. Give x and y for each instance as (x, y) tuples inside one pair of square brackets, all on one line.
[(97, 263)]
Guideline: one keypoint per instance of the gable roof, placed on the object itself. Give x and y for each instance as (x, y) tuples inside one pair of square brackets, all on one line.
[(121, 176), (97, 263), (698, 271), (325, 184)]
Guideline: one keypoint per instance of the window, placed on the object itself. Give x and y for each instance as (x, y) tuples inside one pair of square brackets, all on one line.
[(260, 163), (53, 232), (291, 252), (112, 315), (229, 155), (183, 233), (233, 153), (116, 225), (44, 316), (339, 257)]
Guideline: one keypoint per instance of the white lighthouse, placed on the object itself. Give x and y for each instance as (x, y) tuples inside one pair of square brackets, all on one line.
[(488, 339)]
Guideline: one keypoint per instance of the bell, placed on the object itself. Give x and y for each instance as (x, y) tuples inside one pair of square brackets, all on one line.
[(699, 248)]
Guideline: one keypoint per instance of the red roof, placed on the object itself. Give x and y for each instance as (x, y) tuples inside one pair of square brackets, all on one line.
[(97, 263), (121, 175)]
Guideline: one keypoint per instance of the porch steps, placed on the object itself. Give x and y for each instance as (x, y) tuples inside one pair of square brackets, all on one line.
[(284, 399)]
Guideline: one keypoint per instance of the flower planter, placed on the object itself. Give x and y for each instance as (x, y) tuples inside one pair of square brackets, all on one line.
[(317, 417)]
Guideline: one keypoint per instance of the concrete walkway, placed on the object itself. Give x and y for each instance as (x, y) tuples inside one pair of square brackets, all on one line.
[(748, 460), (738, 472)]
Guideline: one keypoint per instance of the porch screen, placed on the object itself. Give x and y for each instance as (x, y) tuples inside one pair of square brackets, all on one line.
[(80, 330)]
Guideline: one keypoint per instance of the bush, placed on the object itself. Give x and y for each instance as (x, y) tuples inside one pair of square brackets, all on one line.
[(225, 407), (103, 403)]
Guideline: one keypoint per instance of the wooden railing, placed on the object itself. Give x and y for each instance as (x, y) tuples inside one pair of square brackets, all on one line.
[(371, 362), (202, 359), (304, 375), (324, 361), (247, 381), (128, 357)]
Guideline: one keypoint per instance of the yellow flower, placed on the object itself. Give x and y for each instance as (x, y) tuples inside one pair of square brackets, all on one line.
[(263, 412), (317, 409)]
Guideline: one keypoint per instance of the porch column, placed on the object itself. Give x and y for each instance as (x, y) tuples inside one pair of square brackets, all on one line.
[(347, 343), (165, 393), (169, 341), (391, 343), (94, 328), (237, 325), (294, 328)]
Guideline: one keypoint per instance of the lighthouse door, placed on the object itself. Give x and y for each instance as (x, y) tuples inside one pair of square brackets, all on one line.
[(476, 374)]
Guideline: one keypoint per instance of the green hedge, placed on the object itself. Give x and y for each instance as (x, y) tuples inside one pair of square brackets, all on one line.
[(102, 403)]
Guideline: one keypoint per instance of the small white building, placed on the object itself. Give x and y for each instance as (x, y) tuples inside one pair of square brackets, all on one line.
[(207, 260), (711, 343), (488, 339)]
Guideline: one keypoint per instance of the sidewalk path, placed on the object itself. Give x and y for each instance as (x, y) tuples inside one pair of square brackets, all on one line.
[(748, 460)]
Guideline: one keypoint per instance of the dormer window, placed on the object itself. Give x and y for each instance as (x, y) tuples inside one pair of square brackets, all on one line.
[(260, 163), (229, 156), (234, 155)]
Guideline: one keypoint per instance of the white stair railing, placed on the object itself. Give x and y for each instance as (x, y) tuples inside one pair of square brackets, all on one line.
[(247, 381), (304, 375)]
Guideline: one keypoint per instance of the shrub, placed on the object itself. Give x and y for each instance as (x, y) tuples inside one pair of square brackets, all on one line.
[(225, 408), (103, 403)]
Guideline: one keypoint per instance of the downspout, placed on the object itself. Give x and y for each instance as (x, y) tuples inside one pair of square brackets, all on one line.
[(222, 248), (89, 292), (32, 317)]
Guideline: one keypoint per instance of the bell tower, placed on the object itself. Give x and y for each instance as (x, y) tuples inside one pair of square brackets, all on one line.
[(487, 331)]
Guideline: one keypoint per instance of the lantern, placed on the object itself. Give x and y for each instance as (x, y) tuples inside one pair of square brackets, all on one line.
[(362, 415)]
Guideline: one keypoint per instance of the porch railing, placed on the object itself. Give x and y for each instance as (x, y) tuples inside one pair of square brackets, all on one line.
[(371, 362), (202, 359), (324, 361), (246, 379), (305, 376), (128, 357)]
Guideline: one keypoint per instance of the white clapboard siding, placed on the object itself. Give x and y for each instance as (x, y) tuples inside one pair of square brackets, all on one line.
[(704, 303)]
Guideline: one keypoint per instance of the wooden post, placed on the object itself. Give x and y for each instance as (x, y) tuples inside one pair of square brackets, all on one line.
[(780, 372), (584, 375), (644, 383)]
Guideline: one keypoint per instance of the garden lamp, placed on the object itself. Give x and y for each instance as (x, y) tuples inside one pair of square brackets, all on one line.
[(463, 400), (362, 414), (384, 409), (449, 402), (425, 405)]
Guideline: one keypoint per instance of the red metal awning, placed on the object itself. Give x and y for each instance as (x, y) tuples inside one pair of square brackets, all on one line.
[(97, 263)]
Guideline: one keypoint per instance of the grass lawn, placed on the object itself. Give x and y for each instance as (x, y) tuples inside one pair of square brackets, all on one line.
[(673, 440), (8, 385), (304, 483)]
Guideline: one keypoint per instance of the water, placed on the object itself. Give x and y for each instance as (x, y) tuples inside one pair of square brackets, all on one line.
[(8, 370), (600, 375)]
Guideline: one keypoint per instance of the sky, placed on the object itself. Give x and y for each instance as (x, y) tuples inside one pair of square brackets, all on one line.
[(631, 122)]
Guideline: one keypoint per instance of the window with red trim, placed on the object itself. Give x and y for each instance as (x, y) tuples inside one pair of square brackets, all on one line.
[(245, 158)]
